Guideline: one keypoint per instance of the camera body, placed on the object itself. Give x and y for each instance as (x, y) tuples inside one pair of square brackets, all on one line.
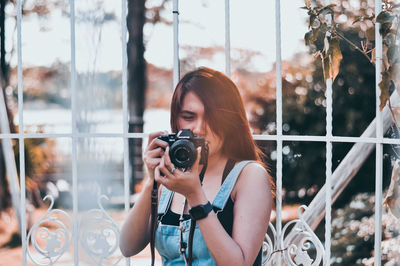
[(182, 148)]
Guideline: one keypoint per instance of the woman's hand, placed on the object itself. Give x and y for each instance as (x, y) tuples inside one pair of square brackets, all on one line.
[(186, 182), (153, 153)]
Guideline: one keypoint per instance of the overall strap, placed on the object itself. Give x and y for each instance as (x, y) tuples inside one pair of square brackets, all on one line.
[(165, 200), (227, 187)]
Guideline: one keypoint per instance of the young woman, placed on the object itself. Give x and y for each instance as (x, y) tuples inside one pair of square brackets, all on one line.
[(230, 231)]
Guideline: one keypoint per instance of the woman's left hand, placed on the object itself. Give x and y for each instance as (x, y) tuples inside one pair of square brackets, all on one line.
[(186, 182)]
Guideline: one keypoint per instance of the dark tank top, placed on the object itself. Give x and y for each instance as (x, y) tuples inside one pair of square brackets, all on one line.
[(225, 216)]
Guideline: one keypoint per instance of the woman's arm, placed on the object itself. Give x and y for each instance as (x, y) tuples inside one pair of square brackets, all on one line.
[(252, 208), (135, 233)]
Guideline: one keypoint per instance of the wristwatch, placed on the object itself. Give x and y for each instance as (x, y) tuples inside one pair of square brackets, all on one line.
[(200, 211)]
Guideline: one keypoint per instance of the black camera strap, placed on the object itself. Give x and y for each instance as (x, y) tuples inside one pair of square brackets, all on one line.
[(153, 219)]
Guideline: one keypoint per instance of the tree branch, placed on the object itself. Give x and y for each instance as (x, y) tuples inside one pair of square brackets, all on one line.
[(353, 45)]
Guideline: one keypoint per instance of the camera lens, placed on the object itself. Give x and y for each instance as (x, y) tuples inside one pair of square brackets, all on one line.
[(182, 154)]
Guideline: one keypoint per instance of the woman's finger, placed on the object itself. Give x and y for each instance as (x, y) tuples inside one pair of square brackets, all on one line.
[(159, 178), (163, 168), (154, 135), (167, 159), (156, 153), (195, 167), (156, 143), (152, 162)]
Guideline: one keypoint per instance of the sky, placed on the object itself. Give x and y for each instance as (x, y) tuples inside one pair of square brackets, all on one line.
[(98, 48)]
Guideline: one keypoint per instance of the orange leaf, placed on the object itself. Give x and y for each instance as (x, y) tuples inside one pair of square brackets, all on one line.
[(384, 85), (336, 57)]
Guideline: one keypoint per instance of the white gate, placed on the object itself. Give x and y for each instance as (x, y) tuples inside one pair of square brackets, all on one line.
[(97, 234)]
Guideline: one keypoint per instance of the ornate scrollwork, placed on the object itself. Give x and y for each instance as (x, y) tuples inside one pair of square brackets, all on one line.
[(299, 243), (99, 236), (294, 246), (269, 245), (54, 234)]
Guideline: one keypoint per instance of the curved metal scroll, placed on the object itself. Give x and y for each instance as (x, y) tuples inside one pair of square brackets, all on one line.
[(99, 236), (295, 247), (56, 238), (269, 245)]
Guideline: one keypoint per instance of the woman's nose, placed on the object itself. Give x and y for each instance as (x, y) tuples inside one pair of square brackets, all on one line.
[(198, 127)]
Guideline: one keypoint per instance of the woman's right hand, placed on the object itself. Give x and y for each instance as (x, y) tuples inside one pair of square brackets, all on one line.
[(153, 153)]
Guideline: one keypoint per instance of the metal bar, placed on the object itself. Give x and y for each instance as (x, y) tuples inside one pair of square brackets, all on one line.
[(379, 146), (75, 226), (125, 111), (77, 135), (175, 13), (328, 161), (346, 170), (256, 137), (21, 134), (278, 81), (328, 174), (227, 39), (9, 159)]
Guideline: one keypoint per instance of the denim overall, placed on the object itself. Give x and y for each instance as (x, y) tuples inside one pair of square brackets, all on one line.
[(167, 236)]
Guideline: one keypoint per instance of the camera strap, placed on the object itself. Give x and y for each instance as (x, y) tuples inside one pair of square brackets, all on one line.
[(153, 220)]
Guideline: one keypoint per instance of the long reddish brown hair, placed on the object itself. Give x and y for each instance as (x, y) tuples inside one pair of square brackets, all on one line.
[(223, 110)]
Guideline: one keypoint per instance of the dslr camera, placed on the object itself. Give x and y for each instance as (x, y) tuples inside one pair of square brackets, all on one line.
[(182, 148)]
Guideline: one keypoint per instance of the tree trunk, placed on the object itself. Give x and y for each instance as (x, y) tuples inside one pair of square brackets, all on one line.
[(5, 197), (136, 84)]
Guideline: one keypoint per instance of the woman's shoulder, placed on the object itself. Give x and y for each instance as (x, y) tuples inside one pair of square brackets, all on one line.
[(253, 169), (253, 178)]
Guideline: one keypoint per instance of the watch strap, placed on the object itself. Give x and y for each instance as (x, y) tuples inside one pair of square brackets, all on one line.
[(200, 211)]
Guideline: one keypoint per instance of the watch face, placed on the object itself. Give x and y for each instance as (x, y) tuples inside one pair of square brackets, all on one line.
[(200, 211), (197, 212)]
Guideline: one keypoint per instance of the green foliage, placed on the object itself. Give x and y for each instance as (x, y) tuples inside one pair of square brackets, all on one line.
[(390, 22), (304, 114), (321, 21)]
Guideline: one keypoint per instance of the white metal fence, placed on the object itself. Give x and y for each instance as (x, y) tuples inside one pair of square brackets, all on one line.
[(75, 232)]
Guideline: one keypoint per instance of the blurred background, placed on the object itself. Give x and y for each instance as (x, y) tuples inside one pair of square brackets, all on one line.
[(46, 77)]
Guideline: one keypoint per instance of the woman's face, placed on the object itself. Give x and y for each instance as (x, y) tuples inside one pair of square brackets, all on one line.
[(191, 117)]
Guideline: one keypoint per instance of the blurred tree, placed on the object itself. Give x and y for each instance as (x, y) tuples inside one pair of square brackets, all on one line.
[(4, 79), (136, 84), (138, 15)]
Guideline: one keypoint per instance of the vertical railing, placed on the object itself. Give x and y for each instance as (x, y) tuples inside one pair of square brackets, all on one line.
[(328, 173), (227, 39), (21, 133), (125, 111), (176, 68), (379, 143), (74, 157), (328, 160), (279, 158)]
